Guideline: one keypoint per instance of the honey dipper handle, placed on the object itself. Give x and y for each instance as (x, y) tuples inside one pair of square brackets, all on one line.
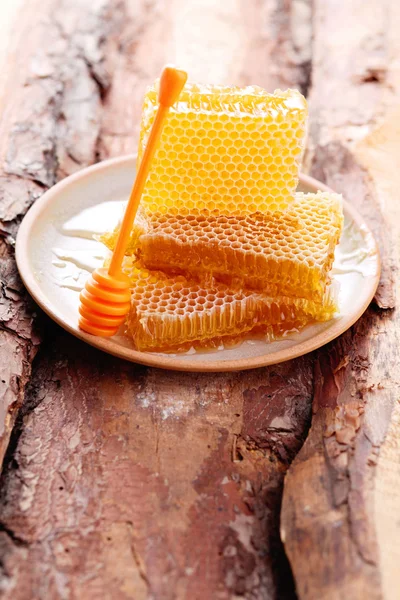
[(171, 83)]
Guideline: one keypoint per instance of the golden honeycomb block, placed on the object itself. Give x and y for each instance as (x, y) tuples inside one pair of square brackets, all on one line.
[(172, 313), (236, 150), (288, 254)]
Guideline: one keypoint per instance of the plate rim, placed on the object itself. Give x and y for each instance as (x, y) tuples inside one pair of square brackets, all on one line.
[(173, 362)]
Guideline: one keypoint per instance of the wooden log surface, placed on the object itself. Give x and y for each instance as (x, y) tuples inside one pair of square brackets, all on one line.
[(123, 481), (341, 502), (128, 482)]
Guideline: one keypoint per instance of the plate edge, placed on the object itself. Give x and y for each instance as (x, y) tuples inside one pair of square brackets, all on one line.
[(147, 359)]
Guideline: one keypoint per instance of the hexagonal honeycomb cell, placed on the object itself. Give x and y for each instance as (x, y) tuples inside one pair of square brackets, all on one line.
[(237, 150), (173, 313), (288, 253)]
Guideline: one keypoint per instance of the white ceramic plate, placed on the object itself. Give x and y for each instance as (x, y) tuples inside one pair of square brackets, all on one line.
[(56, 251)]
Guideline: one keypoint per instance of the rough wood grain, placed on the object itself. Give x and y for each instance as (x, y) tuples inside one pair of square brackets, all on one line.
[(49, 128), (342, 493), (125, 482), (127, 479)]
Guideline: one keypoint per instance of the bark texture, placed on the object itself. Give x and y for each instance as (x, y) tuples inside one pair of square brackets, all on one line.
[(133, 483), (121, 481), (127, 482), (342, 491)]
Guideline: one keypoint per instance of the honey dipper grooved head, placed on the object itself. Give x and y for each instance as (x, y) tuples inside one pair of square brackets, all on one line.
[(104, 303)]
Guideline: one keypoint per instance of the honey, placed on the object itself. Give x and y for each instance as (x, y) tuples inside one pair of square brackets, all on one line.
[(235, 150), (289, 253), (169, 313), (223, 246)]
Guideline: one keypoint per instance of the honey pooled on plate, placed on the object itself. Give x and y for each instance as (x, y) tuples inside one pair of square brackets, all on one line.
[(235, 150)]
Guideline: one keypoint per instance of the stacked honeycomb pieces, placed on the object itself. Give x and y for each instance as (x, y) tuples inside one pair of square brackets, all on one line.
[(223, 246)]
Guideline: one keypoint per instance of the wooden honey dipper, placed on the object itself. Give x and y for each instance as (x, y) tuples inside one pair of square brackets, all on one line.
[(105, 300)]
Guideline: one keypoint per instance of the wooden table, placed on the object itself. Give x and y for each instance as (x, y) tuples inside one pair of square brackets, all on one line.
[(121, 481)]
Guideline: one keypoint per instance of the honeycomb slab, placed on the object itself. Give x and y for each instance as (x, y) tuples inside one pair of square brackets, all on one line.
[(287, 253), (237, 150), (170, 313)]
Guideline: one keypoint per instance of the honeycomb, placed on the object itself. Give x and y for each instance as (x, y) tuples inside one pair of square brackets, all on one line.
[(173, 313), (237, 150), (287, 253)]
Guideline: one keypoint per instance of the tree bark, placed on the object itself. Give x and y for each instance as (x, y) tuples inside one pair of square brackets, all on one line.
[(342, 493), (122, 481)]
